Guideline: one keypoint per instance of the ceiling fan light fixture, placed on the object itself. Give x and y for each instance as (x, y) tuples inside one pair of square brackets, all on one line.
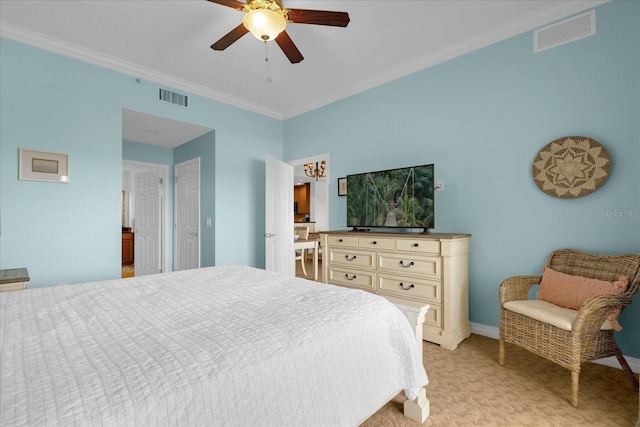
[(266, 20), (264, 24)]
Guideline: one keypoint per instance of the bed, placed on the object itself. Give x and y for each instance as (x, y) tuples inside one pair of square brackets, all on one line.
[(218, 346)]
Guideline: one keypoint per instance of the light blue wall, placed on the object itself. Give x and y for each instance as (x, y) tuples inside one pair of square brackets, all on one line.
[(63, 233), (482, 118), (69, 233), (147, 153)]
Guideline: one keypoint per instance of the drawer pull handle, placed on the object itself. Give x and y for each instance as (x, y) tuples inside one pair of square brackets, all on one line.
[(350, 259), (406, 289), (406, 265), (415, 245), (349, 278), (374, 242), (340, 240)]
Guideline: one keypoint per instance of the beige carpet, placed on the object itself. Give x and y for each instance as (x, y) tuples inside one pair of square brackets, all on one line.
[(467, 387), (309, 266)]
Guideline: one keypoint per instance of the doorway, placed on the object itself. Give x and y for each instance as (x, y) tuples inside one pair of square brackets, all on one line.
[(148, 138), (318, 190), (317, 218), (144, 219), (278, 254)]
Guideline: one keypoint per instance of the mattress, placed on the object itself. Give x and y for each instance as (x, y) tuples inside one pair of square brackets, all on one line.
[(219, 346)]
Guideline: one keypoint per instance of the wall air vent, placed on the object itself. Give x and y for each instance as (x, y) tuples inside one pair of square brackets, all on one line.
[(569, 30), (174, 97)]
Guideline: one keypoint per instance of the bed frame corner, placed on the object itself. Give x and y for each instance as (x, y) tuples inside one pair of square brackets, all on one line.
[(418, 408), (414, 312)]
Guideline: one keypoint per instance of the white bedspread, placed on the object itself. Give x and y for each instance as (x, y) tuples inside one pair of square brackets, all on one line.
[(218, 346)]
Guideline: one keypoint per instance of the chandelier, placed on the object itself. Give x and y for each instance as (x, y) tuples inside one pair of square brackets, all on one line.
[(317, 172)]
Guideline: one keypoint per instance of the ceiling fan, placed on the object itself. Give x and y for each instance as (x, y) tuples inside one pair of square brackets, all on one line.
[(266, 20)]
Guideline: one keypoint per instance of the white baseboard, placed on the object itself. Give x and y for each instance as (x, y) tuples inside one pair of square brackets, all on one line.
[(493, 332)]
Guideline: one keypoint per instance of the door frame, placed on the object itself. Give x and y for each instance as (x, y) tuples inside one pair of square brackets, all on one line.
[(312, 159), (136, 166)]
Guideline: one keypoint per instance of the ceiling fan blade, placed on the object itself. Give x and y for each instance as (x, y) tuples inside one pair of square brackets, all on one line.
[(289, 48), (229, 3), (230, 38), (318, 17)]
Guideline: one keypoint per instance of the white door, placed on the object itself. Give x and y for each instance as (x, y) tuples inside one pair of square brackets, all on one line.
[(187, 215), (279, 254), (148, 222)]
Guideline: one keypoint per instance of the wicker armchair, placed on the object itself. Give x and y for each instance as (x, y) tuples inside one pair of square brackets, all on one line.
[(587, 338)]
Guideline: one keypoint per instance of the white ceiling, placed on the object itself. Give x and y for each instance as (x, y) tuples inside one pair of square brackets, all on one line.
[(148, 129), (167, 42)]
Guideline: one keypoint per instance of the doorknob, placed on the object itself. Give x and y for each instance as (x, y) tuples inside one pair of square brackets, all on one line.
[(194, 234), (267, 235)]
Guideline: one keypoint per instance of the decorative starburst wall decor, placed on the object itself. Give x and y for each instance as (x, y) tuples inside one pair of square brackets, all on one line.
[(571, 167)]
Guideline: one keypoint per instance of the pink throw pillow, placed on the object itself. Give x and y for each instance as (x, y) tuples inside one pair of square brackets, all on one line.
[(572, 291)]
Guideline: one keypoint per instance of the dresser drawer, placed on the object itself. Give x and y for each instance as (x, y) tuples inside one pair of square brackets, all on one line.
[(410, 288), (429, 267), (348, 257), (352, 278), (342, 241), (376, 243), (418, 245)]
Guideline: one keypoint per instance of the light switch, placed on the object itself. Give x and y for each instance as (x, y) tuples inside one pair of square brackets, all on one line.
[(208, 222)]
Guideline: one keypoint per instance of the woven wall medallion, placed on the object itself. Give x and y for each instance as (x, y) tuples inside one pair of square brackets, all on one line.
[(571, 167)]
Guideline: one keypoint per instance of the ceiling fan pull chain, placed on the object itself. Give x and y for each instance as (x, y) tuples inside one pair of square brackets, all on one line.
[(266, 61)]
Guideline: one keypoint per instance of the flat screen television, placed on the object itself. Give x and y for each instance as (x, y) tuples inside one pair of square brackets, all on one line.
[(394, 198)]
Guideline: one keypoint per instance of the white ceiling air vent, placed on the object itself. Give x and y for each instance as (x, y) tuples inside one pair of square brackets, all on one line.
[(569, 30), (173, 97)]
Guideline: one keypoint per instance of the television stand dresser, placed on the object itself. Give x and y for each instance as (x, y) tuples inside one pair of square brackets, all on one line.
[(425, 268)]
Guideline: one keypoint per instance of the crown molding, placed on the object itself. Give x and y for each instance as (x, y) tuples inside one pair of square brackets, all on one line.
[(559, 11), (54, 45)]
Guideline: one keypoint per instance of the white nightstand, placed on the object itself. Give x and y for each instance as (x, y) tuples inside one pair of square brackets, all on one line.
[(14, 279)]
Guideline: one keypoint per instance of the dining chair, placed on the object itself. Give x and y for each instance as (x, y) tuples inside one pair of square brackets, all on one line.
[(302, 233), (309, 252)]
